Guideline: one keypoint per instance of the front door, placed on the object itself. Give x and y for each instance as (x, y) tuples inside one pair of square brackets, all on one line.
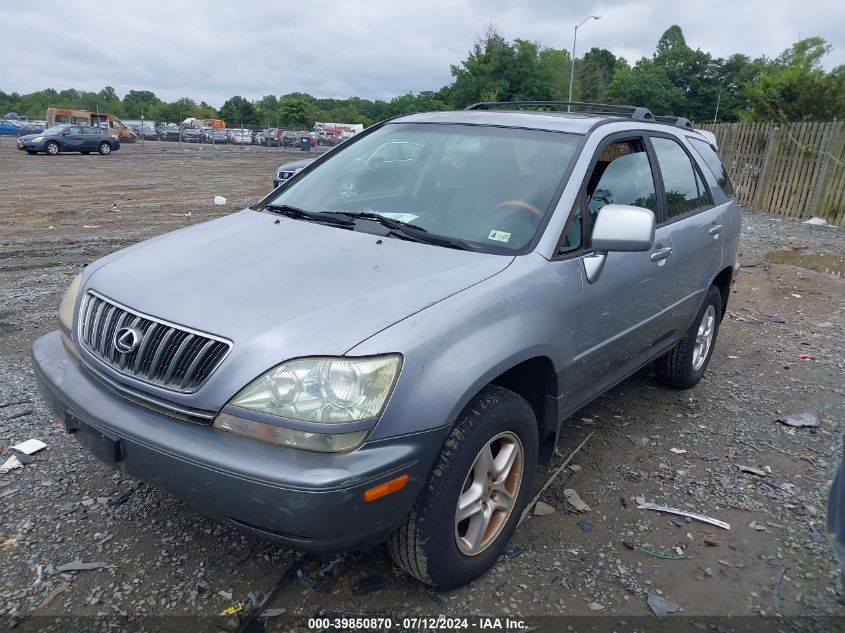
[(622, 311), (73, 139)]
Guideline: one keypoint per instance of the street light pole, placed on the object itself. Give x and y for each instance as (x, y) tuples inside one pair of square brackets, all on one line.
[(572, 61)]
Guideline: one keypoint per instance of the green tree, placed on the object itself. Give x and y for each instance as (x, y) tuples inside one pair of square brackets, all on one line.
[(595, 72), (137, 101), (297, 112), (794, 87), (237, 111)]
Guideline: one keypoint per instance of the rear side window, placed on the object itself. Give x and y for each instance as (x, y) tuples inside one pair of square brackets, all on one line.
[(713, 161), (685, 193)]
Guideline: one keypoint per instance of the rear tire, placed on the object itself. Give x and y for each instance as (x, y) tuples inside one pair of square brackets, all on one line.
[(686, 363), (52, 148), (487, 464), (105, 148)]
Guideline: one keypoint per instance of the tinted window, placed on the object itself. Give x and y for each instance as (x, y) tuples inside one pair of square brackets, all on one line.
[(91, 130), (714, 163), (685, 192), (622, 175)]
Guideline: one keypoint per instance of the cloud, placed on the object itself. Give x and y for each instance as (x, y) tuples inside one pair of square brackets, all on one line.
[(377, 49)]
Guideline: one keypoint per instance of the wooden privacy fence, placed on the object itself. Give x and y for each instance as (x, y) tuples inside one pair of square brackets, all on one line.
[(792, 169)]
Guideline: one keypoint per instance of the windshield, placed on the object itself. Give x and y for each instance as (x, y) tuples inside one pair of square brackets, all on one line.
[(487, 186)]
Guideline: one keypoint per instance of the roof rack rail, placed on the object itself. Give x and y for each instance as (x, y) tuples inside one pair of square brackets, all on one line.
[(677, 121), (633, 112)]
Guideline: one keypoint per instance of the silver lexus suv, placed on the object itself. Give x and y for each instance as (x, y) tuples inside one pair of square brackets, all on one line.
[(386, 346)]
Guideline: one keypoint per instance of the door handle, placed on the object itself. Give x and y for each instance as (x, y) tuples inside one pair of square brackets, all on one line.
[(660, 254), (716, 229)]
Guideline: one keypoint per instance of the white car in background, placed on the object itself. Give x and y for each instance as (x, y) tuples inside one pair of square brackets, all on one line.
[(239, 136)]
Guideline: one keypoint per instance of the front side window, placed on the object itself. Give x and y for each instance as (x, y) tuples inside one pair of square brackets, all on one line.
[(490, 187), (685, 193), (622, 175)]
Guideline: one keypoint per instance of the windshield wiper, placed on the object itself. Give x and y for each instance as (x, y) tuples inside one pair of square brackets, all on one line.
[(313, 216), (407, 230)]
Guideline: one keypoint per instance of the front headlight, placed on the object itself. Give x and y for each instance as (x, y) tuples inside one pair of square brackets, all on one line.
[(324, 389), (68, 303), (38, 139)]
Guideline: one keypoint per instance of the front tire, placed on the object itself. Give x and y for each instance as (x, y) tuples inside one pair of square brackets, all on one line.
[(475, 494), (52, 148), (686, 363), (105, 148)]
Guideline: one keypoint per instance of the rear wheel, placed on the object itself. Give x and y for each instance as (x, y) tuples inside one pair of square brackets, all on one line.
[(686, 363), (105, 148), (52, 148), (475, 494)]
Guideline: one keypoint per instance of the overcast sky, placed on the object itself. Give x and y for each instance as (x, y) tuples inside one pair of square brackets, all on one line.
[(374, 49)]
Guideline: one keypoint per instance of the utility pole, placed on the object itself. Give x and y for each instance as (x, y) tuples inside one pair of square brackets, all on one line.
[(572, 61), (718, 101)]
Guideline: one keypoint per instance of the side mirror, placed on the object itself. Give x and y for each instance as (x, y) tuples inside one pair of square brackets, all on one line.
[(623, 228), (620, 228)]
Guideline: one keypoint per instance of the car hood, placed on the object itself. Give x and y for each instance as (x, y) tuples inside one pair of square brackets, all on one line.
[(280, 288), (29, 137)]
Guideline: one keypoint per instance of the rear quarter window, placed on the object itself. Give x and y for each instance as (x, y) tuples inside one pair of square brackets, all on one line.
[(711, 158)]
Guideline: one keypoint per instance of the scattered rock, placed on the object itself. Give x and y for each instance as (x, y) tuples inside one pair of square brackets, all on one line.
[(575, 501)]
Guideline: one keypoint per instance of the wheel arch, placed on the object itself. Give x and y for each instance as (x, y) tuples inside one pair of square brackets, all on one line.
[(723, 282)]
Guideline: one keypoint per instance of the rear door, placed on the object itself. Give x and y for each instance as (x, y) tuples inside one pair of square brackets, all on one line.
[(91, 138), (622, 312), (695, 225)]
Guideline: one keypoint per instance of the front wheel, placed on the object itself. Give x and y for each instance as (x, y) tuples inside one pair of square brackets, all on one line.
[(105, 148), (475, 494), (686, 363), (52, 148)]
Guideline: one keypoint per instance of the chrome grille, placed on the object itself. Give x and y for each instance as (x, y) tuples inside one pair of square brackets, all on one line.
[(167, 355)]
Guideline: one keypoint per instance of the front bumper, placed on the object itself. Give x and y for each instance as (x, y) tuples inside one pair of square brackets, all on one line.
[(29, 146), (305, 500)]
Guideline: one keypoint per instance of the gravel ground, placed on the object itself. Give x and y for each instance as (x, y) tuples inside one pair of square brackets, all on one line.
[(685, 449)]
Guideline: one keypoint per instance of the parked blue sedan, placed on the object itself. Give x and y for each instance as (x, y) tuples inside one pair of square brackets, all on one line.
[(69, 138), (9, 127)]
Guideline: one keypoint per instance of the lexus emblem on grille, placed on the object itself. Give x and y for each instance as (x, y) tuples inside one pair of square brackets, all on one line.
[(126, 340)]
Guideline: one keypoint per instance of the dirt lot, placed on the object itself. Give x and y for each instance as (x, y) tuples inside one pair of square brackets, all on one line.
[(681, 449)]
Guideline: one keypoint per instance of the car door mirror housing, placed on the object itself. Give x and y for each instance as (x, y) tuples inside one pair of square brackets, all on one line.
[(623, 228)]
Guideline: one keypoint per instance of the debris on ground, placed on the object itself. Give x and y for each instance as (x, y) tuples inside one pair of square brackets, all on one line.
[(219, 200), (814, 221), (542, 509), (659, 555), (575, 501), (78, 565), (28, 447), (799, 420), (756, 525), (55, 592), (805, 356), (10, 464), (678, 451), (585, 526), (776, 318), (8, 542), (752, 470), (235, 608), (316, 574), (685, 513), (367, 584), (595, 606), (661, 606)]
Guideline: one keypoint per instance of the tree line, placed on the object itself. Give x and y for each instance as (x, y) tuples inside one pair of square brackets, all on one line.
[(674, 80)]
